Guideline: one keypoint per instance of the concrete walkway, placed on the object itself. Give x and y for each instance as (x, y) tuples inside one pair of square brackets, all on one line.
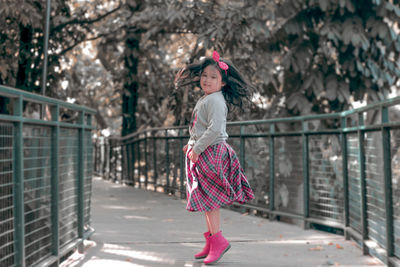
[(143, 228)]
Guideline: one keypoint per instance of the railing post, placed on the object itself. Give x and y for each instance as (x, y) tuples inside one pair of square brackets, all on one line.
[(167, 161), (343, 124), (145, 161), (124, 161), (18, 181), (182, 166), (133, 163), (55, 151), (118, 154), (361, 160), (139, 173), (81, 176), (128, 162), (387, 172), (271, 170), (95, 155), (306, 176), (155, 161), (109, 152), (242, 148)]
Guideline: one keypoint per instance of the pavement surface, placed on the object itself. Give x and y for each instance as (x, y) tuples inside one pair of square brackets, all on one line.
[(141, 228)]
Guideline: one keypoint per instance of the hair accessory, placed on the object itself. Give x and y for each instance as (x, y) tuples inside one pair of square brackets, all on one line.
[(221, 64)]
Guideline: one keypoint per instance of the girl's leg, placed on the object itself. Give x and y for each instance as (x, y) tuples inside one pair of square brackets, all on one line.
[(218, 244), (207, 223), (213, 220), (210, 226)]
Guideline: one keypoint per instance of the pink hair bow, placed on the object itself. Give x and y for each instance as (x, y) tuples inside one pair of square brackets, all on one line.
[(221, 64)]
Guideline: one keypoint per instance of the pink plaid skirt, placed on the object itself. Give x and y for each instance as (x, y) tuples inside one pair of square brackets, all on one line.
[(220, 179)]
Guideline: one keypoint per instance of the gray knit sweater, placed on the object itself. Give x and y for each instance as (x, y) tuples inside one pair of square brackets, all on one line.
[(208, 123)]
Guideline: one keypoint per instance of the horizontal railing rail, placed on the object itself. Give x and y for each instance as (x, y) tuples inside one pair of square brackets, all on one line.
[(340, 171), (45, 178)]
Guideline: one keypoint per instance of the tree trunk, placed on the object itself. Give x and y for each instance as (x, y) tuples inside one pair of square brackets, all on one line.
[(25, 58), (130, 93)]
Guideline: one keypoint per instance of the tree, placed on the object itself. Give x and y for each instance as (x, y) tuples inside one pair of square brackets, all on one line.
[(340, 50), (22, 23), (178, 32)]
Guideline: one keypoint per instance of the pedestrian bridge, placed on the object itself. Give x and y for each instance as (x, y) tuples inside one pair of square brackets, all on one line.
[(136, 227), (327, 190)]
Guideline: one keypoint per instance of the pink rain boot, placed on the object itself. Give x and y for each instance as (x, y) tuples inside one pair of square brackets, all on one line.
[(218, 246), (206, 248)]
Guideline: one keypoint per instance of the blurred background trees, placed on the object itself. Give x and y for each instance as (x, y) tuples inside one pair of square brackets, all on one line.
[(120, 56)]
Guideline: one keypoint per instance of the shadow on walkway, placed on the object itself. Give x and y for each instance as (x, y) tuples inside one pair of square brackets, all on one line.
[(135, 227)]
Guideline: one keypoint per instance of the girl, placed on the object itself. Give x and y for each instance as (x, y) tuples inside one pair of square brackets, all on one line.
[(214, 175)]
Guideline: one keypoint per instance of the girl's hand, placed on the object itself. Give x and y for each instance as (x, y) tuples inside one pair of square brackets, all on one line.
[(193, 156), (178, 76), (185, 148)]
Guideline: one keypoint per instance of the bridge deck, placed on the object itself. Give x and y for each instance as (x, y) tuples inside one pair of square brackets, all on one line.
[(135, 227)]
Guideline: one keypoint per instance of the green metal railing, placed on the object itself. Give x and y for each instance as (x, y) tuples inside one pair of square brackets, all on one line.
[(340, 170), (45, 179)]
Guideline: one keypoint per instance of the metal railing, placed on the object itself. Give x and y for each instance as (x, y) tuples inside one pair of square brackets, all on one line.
[(340, 170), (45, 178)]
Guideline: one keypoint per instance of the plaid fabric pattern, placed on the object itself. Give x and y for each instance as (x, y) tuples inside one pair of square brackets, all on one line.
[(221, 179)]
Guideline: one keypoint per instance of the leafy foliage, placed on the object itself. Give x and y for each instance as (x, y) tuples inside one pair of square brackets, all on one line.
[(340, 50), (303, 56)]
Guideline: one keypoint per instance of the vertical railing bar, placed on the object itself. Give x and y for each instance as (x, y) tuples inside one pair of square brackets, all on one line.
[(55, 217), (95, 155), (100, 141), (109, 151), (387, 172), (128, 163), (182, 166), (271, 169), (133, 163), (306, 174), (117, 153), (145, 161), (110, 164), (139, 172), (18, 181), (167, 162), (80, 181), (343, 124), (124, 162), (89, 123), (361, 157), (155, 161), (242, 148), (174, 180)]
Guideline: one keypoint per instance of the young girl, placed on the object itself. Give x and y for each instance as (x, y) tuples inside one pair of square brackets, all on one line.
[(214, 175)]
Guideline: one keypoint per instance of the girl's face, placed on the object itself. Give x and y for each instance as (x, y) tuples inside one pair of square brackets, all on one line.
[(211, 80)]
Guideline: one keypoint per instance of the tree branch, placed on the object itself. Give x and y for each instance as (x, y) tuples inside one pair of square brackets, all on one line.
[(86, 21)]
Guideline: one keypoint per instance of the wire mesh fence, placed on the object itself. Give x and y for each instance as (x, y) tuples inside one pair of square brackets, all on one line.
[(326, 178), (354, 185), (68, 191), (45, 179), (395, 163), (6, 195), (339, 171), (37, 193), (88, 166)]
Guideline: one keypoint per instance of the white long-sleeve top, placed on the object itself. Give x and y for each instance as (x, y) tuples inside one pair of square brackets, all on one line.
[(208, 123)]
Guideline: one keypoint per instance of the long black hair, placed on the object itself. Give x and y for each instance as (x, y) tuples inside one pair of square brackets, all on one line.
[(236, 87)]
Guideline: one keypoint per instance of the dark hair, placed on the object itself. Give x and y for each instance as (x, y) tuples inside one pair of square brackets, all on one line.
[(236, 87)]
